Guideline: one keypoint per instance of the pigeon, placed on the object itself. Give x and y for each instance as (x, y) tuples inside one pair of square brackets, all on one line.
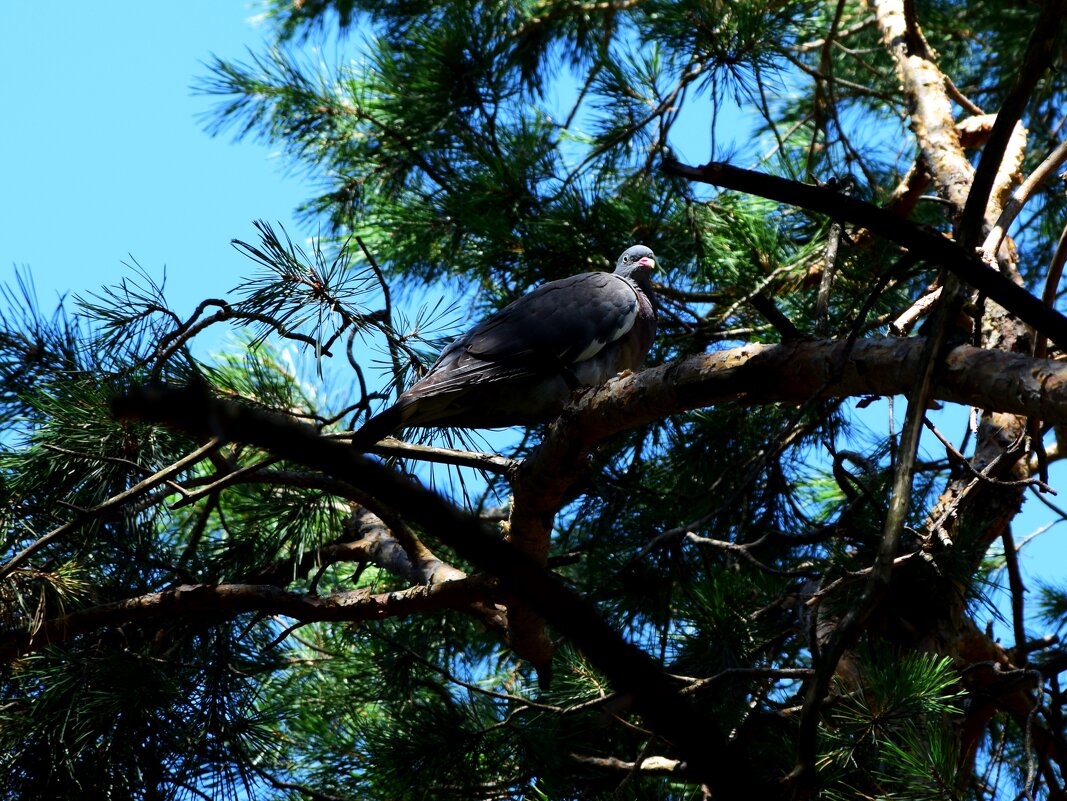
[(521, 366)]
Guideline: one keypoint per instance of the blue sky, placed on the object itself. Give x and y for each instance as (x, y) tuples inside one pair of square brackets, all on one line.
[(105, 159), (104, 156)]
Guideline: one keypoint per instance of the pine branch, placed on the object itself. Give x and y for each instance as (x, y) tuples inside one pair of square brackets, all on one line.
[(489, 462), (1039, 57), (932, 246), (111, 505), (630, 669), (798, 371)]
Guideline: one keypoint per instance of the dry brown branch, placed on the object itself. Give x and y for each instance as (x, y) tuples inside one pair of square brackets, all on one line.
[(653, 765), (904, 322), (226, 600)]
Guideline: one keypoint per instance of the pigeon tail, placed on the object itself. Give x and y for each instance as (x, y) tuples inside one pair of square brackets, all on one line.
[(378, 428)]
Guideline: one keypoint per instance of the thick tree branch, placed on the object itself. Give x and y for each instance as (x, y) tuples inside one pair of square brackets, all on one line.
[(629, 669), (793, 372), (797, 371)]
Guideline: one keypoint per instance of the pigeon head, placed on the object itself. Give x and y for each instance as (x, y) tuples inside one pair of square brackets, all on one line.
[(637, 263)]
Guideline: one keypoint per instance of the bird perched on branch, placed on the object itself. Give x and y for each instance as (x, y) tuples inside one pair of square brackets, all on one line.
[(520, 366)]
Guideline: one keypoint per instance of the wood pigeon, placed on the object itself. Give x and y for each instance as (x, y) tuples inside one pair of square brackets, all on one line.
[(522, 365)]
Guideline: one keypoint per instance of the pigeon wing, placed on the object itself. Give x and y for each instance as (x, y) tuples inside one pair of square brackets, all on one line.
[(559, 324)]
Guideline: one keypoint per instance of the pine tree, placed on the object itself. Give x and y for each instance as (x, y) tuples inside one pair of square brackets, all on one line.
[(707, 579)]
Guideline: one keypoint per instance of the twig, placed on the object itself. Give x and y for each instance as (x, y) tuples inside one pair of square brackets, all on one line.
[(692, 72), (1061, 512), (489, 462), (817, 596), (99, 457), (654, 765), (782, 324), (769, 673), (902, 325), (1018, 590), (983, 475), (865, 22), (743, 551), (759, 288), (237, 476), (823, 80), (449, 676)]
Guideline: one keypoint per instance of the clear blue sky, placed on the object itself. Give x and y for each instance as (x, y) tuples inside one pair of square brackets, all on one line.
[(104, 157)]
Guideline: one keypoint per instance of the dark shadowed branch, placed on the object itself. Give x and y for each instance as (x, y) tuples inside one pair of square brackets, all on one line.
[(935, 248)]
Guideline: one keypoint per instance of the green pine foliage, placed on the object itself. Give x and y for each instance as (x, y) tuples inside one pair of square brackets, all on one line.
[(192, 615)]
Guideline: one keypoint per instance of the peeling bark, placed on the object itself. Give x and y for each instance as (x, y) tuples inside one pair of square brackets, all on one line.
[(930, 110)]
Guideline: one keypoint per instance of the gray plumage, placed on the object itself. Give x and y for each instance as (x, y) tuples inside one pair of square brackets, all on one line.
[(520, 366)]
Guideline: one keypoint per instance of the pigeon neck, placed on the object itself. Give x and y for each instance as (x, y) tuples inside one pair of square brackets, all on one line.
[(640, 277)]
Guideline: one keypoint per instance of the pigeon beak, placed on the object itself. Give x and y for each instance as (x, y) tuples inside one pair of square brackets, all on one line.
[(647, 262)]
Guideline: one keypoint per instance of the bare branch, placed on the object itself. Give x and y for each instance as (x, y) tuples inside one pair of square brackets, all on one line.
[(1053, 161), (930, 109), (653, 765), (489, 462), (226, 600)]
